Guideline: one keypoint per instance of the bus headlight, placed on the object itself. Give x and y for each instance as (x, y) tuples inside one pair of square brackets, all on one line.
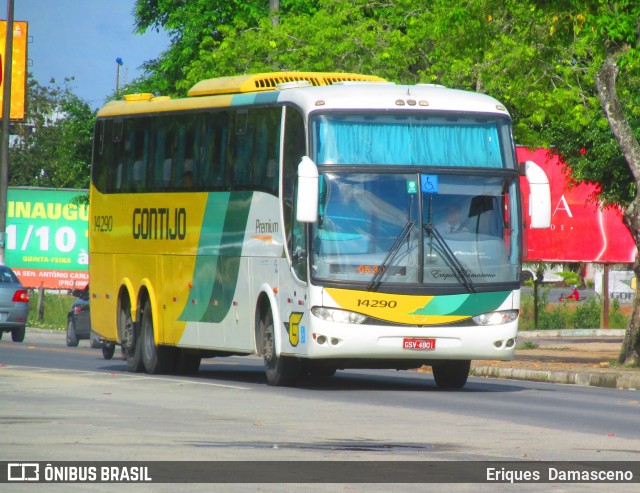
[(338, 316), (496, 318)]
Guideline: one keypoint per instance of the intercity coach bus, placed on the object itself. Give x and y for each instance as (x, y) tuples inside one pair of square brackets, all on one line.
[(302, 217)]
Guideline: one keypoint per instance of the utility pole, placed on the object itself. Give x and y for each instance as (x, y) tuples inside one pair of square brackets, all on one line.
[(6, 119)]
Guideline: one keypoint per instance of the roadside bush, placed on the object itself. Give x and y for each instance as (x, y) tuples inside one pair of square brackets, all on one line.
[(568, 315), (56, 307), (554, 318), (587, 314), (617, 319)]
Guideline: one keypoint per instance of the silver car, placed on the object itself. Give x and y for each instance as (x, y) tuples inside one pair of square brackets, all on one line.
[(14, 305)]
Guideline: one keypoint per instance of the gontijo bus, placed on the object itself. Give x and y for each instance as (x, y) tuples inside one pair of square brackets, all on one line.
[(302, 217)]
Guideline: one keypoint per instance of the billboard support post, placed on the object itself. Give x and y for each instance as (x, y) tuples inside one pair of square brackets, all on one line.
[(6, 112), (605, 296)]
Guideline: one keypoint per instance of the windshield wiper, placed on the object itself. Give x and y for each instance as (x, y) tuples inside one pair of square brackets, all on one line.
[(450, 258), (393, 251)]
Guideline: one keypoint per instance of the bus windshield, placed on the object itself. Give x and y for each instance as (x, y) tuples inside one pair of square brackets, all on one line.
[(411, 140), (412, 228)]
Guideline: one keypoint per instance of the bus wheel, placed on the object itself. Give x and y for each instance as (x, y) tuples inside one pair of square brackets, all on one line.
[(451, 374), (280, 371), (131, 344), (108, 349), (156, 359)]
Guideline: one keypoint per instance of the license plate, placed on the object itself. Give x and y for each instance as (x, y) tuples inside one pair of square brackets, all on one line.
[(419, 344), (3, 316)]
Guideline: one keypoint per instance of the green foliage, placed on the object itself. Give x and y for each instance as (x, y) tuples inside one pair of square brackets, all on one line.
[(587, 314), (554, 319), (617, 319), (569, 315), (53, 147), (528, 345), (570, 277), (56, 307)]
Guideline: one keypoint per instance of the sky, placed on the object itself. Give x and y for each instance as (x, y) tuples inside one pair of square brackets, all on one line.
[(83, 39)]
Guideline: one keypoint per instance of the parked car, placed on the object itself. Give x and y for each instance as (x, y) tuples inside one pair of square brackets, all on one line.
[(79, 324), (14, 305)]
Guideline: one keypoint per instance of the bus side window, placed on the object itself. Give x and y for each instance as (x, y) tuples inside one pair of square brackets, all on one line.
[(101, 154), (294, 148), (267, 150), (187, 171), (139, 169), (161, 171), (125, 165), (242, 150), (260, 152), (219, 150), (114, 162), (200, 153), (178, 155)]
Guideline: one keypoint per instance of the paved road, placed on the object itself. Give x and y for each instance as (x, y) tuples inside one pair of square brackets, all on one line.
[(554, 292), (62, 403)]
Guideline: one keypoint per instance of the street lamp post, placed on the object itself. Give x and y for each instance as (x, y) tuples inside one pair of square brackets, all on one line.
[(119, 63)]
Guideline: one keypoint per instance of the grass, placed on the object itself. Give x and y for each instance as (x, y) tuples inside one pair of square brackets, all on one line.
[(56, 307), (583, 315), (528, 345)]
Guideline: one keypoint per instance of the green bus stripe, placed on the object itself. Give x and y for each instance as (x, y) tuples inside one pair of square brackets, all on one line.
[(218, 262), (464, 304)]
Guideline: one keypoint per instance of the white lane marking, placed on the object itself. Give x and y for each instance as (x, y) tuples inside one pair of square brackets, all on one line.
[(123, 375)]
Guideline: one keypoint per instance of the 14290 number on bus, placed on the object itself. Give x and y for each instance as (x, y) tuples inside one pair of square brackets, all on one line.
[(103, 223), (378, 303)]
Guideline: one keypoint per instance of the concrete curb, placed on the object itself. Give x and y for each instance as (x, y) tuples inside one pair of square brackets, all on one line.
[(612, 380), (530, 334)]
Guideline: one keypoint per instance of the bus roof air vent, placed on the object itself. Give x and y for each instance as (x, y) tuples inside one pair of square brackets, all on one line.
[(270, 82), (134, 98), (294, 84)]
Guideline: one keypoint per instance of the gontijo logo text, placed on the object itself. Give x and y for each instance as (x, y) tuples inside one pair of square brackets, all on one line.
[(162, 223)]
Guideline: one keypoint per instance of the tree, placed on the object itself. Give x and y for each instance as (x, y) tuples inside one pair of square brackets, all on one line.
[(53, 147), (195, 28), (567, 70), (596, 131)]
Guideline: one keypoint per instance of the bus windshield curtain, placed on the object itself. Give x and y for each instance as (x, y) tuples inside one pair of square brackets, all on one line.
[(349, 142)]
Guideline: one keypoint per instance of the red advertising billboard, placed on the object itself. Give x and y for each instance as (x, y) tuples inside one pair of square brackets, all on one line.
[(580, 230)]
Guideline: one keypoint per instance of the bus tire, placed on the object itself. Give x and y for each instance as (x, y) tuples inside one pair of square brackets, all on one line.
[(108, 350), (451, 374), (156, 359), (130, 337), (280, 370), (134, 356)]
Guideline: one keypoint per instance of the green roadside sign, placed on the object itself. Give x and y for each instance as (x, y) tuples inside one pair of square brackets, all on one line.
[(46, 241)]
